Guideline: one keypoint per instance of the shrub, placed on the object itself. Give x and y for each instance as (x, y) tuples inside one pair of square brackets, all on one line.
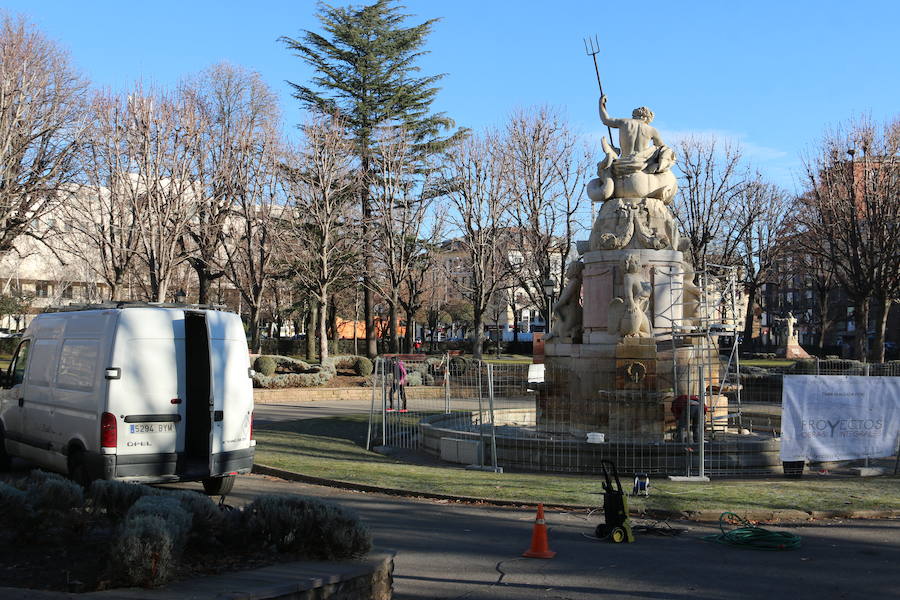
[(804, 367), (458, 365), (265, 365), (428, 379), (362, 366), (307, 526), (144, 552), (37, 477), (169, 509), (56, 494), (117, 497), (206, 517), (414, 378), (15, 510)]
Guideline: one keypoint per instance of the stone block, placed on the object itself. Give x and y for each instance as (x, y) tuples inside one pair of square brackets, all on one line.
[(460, 451), (868, 471), (639, 348)]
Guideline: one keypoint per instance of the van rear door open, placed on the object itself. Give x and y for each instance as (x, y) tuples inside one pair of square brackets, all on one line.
[(232, 391), (146, 394)]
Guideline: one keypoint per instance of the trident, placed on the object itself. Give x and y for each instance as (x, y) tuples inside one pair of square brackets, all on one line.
[(592, 48)]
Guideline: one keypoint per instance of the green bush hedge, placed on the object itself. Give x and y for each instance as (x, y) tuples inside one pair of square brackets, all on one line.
[(264, 365), (301, 374), (459, 365), (363, 366)]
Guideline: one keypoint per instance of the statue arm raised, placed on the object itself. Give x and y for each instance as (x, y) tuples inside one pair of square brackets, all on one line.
[(604, 116), (657, 141)]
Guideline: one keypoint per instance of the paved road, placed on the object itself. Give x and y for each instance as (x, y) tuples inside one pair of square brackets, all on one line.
[(447, 550)]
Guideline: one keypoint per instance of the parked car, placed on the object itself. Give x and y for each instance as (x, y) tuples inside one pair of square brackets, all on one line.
[(132, 392)]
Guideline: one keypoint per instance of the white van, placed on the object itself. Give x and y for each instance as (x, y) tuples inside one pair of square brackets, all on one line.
[(134, 392)]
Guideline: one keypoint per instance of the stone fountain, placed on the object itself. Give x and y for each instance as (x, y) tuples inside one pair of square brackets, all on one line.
[(631, 337), (632, 286)]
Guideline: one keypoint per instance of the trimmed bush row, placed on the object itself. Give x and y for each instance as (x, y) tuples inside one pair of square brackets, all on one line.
[(300, 373), (152, 527)]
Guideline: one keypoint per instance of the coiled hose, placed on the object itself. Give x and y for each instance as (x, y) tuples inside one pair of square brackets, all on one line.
[(750, 536)]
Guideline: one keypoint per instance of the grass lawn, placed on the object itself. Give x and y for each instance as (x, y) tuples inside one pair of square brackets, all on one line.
[(767, 362), (335, 448)]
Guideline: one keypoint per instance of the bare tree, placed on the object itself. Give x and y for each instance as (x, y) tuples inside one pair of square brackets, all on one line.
[(165, 135), (474, 178), (546, 173), (322, 240), (102, 214), (230, 106), (762, 208), (850, 215), (705, 204), (420, 276), (254, 225), (400, 197), (41, 122)]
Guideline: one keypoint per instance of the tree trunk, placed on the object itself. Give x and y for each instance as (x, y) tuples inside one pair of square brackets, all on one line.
[(394, 323), (515, 323), (410, 336), (748, 320), (478, 334), (311, 330), (333, 324), (368, 305), (323, 324), (824, 321), (882, 309), (161, 290), (203, 284), (861, 318), (254, 328)]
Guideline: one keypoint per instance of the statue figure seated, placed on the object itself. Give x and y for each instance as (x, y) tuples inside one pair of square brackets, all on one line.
[(640, 167)]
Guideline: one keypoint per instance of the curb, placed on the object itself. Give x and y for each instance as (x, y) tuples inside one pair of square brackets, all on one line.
[(767, 516)]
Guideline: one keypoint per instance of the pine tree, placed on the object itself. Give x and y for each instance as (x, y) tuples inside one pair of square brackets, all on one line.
[(366, 72)]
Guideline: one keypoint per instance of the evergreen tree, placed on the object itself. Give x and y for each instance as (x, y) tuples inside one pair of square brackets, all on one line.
[(366, 72)]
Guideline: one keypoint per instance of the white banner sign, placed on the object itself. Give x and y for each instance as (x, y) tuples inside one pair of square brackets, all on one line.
[(831, 417)]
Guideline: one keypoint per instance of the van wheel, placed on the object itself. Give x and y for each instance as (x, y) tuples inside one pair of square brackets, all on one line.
[(78, 471), (218, 486), (4, 457)]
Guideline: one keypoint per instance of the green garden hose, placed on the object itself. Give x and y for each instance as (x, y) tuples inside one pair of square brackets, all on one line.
[(750, 536)]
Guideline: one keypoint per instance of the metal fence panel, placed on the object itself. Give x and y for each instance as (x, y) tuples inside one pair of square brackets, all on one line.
[(491, 417)]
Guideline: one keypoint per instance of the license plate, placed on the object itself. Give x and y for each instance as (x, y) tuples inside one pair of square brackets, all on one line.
[(152, 427)]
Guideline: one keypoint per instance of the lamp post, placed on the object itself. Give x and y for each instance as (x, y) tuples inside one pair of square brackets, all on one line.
[(549, 289)]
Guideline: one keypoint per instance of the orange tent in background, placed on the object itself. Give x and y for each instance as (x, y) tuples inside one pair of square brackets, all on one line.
[(345, 328)]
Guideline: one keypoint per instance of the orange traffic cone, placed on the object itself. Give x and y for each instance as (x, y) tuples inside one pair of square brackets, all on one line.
[(539, 547)]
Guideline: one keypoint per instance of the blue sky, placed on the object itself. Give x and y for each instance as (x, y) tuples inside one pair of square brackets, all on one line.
[(772, 75)]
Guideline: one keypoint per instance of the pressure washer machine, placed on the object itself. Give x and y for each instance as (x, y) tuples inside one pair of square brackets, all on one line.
[(617, 525)]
